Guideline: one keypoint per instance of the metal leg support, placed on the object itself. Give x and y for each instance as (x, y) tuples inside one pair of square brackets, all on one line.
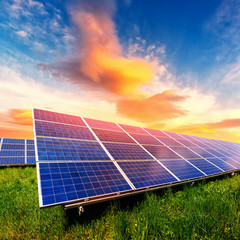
[(80, 210)]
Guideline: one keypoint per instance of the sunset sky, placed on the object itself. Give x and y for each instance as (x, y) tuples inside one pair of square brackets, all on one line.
[(171, 65)]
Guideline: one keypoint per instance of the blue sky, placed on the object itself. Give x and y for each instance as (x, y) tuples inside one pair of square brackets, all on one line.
[(178, 59)]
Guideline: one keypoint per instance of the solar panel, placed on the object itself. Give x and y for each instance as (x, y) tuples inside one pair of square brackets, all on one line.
[(55, 117), (132, 129), (52, 149), (82, 159), (61, 182), (122, 151), (162, 152), (59, 130), (146, 174), (112, 136), (145, 139), (182, 169), (16, 152), (102, 124)]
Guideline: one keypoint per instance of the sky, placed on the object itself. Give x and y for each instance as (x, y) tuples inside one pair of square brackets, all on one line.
[(169, 65)]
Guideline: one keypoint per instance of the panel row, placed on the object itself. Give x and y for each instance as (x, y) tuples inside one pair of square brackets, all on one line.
[(17, 152), (78, 160)]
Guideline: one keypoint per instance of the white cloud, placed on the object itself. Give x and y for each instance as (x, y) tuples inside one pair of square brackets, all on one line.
[(22, 33)]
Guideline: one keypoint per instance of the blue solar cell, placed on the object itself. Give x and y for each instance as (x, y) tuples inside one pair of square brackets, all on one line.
[(156, 132), (12, 153), (30, 153), (205, 166), (133, 129), (13, 141), (169, 141), (145, 139), (215, 152), (202, 152), (58, 117), (29, 141), (113, 136), (161, 152), (121, 151), (8, 146), (220, 163), (185, 152), (30, 147), (12, 160), (102, 124), (51, 149), (182, 169), (50, 129), (63, 182), (146, 173), (31, 160)]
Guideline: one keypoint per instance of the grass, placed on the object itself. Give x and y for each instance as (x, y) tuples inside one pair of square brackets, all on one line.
[(205, 211)]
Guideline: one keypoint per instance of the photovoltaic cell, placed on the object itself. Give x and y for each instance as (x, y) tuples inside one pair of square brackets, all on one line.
[(62, 131), (58, 117), (31, 160), (182, 169), (202, 152), (30, 147), (61, 182), (113, 136), (12, 160), (12, 153), (51, 149), (121, 151), (169, 141), (145, 174), (132, 129), (13, 141), (186, 143), (9, 146), (30, 142), (102, 124), (220, 163), (232, 162), (205, 166), (215, 153), (145, 139), (156, 132), (185, 152), (161, 152)]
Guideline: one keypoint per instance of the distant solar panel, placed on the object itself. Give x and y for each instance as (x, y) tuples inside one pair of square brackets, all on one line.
[(16, 152), (82, 159)]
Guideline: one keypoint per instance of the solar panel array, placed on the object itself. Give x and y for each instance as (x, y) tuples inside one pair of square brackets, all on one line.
[(16, 152), (80, 158)]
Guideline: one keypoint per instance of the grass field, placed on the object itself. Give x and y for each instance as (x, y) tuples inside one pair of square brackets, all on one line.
[(204, 211)]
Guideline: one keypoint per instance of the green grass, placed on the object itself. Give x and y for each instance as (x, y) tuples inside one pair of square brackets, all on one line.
[(205, 211)]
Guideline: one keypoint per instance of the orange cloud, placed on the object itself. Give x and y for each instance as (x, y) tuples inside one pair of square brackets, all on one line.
[(152, 109), (217, 130), (20, 116), (16, 132), (16, 123), (101, 57)]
